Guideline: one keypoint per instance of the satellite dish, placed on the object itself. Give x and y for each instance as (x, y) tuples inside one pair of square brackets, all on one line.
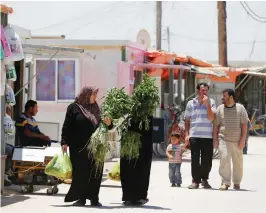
[(144, 38)]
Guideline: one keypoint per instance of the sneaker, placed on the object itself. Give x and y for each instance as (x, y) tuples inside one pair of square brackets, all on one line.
[(236, 186), (178, 185), (173, 185), (223, 187), (194, 186), (206, 184)]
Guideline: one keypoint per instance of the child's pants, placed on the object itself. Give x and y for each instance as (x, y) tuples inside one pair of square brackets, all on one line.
[(175, 173)]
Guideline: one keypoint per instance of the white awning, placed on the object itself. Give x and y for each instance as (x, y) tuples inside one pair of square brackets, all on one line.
[(261, 74), (43, 50), (256, 71), (50, 50)]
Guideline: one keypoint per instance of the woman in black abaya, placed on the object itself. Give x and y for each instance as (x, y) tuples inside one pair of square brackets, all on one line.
[(135, 174), (82, 119)]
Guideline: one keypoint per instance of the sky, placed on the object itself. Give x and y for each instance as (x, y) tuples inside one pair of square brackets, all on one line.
[(193, 25)]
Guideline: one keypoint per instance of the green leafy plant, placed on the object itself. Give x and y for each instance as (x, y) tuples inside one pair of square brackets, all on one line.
[(116, 105), (145, 98)]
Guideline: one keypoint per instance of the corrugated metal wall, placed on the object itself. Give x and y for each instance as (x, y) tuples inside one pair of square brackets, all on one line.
[(251, 93), (216, 89), (190, 87)]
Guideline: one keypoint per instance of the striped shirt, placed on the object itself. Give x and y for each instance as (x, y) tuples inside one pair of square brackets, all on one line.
[(29, 123), (229, 120), (176, 151), (200, 126)]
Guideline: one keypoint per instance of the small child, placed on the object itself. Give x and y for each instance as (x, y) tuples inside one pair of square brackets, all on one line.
[(174, 154)]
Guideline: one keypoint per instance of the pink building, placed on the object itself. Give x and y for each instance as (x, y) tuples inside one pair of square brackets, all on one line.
[(104, 64)]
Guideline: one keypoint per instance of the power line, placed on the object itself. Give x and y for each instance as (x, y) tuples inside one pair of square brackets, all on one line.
[(252, 49), (67, 21), (211, 41), (261, 17), (91, 21), (256, 19), (253, 45), (138, 15), (125, 19)]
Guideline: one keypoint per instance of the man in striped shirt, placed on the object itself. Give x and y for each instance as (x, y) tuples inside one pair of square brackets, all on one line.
[(229, 134), (199, 116), (27, 127)]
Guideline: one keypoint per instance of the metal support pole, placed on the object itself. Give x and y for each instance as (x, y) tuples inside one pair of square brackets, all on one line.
[(241, 81), (171, 87), (168, 39), (246, 82), (180, 87)]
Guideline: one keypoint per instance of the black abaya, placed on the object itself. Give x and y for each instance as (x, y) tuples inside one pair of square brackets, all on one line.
[(76, 132), (135, 174)]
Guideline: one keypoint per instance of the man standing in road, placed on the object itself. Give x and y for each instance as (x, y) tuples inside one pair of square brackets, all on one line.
[(199, 116), (229, 135)]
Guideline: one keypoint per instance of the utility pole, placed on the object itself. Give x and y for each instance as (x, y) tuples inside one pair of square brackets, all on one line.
[(168, 37), (158, 25), (222, 33)]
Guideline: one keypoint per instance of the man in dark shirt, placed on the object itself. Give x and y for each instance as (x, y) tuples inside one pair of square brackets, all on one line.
[(28, 130)]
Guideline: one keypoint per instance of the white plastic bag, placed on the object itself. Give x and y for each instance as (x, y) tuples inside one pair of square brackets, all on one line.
[(10, 96), (9, 127), (11, 72), (2, 79), (15, 45)]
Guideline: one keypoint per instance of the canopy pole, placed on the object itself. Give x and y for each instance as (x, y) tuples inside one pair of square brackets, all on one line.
[(241, 81), (180, 87), (171, 101)]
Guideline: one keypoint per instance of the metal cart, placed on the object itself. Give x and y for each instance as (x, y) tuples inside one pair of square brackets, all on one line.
[(29, 163)]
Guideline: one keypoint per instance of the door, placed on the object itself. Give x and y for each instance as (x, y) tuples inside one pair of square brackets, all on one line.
[(125, 77), (26, 78)]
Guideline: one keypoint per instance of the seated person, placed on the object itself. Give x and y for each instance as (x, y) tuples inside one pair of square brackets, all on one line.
[(28, 130), (9, 149)]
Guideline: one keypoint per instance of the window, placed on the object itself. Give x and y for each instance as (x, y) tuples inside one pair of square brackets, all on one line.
[(66, 80), (57, 81), (45, 85)]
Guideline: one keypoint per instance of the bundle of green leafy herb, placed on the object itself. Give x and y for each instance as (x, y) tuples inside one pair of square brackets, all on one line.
[(145, 99), (130, 145), (115, 106), (98, 146)]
